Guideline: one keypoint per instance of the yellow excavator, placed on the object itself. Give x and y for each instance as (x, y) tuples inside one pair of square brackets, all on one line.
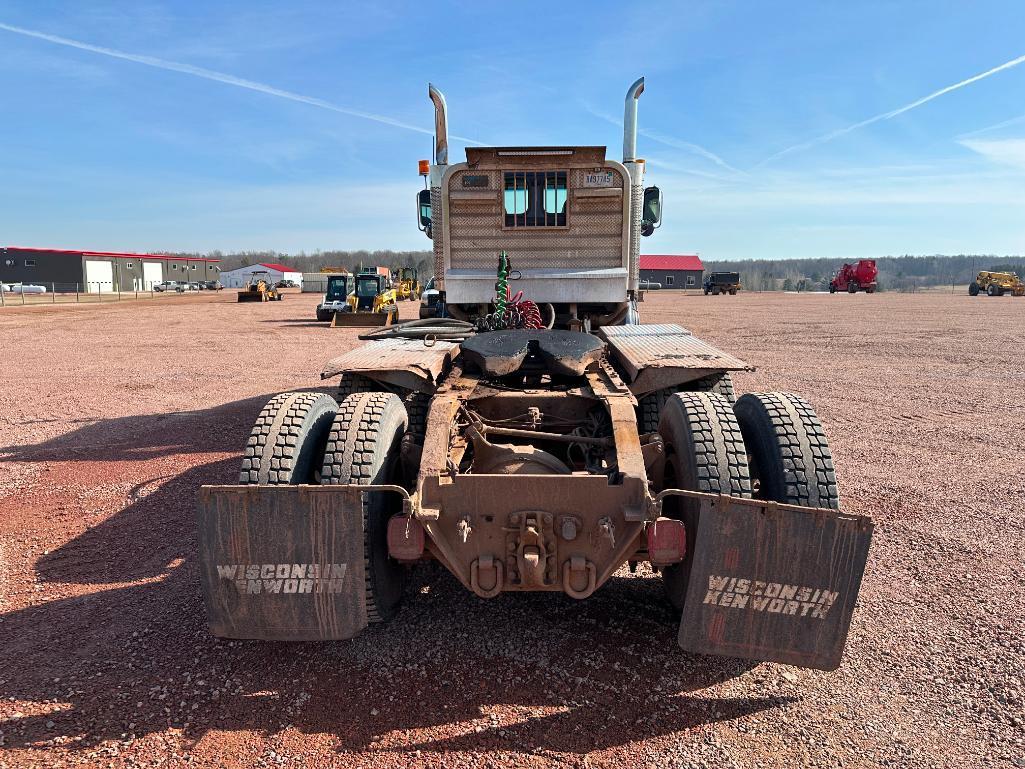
[(371, 303), (259, 289)]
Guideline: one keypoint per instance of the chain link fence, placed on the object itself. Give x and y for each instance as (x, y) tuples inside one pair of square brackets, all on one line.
[(17, 294)]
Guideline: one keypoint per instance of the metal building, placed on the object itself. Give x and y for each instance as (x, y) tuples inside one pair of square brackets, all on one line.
[(241, 276), (100, 271), (672, 271)]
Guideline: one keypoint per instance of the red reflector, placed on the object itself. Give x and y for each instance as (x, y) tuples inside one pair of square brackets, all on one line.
[(667, 541), (405, 538)]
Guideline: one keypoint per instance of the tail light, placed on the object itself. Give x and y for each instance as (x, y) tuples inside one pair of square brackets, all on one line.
[(667, 541), (405, 538)]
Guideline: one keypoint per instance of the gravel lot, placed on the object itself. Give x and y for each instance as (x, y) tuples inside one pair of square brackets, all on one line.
[(114, 415)]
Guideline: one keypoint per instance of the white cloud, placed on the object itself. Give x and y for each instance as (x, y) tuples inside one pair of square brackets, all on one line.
[(1008, 152)]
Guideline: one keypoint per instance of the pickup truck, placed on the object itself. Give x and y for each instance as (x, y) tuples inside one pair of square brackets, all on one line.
[(169, 285)]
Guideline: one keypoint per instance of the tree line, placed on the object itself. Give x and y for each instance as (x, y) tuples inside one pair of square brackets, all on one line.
[(302, 261), (896, 273)]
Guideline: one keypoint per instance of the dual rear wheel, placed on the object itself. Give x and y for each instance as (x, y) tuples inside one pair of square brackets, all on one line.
[(767, 446), (310, 438)]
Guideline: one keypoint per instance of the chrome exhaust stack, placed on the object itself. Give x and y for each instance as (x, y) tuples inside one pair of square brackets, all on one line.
[(440, 125), (437, 175), (630, 121), (636, 169)]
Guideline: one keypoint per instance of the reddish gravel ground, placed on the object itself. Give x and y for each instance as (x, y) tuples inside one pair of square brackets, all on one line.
[(114, 415)]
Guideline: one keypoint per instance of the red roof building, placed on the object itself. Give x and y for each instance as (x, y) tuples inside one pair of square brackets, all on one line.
[(110, 254), (671, 262), (277, 267), (74, 270), (671, 271)]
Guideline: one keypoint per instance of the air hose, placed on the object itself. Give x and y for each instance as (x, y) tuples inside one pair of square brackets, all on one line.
[(439, 329)]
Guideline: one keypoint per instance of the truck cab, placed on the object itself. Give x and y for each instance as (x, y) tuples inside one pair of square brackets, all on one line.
[(569, 220)]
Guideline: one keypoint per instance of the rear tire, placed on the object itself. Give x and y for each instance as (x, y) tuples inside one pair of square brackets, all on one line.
[(417, 405), (787, 449), (992, 290), (363, 448), (651, 405), (704, 451), (355, 383), (324, 316), (852, 288), (287, 441)]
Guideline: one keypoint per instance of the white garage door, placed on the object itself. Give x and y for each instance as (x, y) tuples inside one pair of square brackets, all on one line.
[(152, 273), (99, 276)]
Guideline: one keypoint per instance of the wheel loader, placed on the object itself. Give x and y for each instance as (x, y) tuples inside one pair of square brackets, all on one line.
[(408, 285), (537, 438), (996, 284)]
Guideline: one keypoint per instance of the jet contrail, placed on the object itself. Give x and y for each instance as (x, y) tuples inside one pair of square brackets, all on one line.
[(994, 127), (669, 141), (221, 77), (697, 149), (892, 113)]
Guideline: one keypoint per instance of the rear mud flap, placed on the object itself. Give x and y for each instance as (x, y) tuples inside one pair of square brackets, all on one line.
[(282, 563), (771, 582)]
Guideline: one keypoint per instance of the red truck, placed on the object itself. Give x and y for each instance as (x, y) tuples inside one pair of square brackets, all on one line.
[(852, 278)]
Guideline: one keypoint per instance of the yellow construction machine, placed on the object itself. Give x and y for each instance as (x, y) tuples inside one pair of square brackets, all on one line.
[(409, 284), (997, 284), (372, 303), (259, 289)]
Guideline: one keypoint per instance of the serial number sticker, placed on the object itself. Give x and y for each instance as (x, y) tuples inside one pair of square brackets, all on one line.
[(475, 181), (598, 179)]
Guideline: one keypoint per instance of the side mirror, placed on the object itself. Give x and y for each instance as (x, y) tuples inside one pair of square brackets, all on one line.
[(651, 211), (423, 204)]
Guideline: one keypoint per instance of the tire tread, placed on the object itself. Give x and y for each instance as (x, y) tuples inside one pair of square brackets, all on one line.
[(350, 458)]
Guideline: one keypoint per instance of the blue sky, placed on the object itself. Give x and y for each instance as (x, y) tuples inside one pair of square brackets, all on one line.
[(744, 120)]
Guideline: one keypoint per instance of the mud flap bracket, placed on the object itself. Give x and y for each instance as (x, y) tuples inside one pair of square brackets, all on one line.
[(282, 563), (773, 582)]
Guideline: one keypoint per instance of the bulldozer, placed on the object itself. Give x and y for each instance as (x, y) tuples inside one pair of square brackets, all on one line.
[(537, 437), (259, 289), (371, 302), (996, 284), (408, 285)]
